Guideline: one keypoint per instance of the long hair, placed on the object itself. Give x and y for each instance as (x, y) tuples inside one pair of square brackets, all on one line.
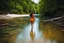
[(31, 14)]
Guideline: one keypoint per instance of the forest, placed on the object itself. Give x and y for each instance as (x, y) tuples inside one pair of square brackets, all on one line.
[(51, 8), (48, 8), (18, 6)]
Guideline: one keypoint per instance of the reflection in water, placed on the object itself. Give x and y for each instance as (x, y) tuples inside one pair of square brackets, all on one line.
[(32, 34), (47, 33), (27, 35), (52, 33)]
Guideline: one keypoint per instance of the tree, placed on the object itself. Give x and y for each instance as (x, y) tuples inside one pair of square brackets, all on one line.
[(17, 6), (50, 7)]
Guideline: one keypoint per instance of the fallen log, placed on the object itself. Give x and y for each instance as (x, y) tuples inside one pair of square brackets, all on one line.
[(53, 19)]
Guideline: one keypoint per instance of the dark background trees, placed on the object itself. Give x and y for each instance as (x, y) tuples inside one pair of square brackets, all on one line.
[(51, 8)]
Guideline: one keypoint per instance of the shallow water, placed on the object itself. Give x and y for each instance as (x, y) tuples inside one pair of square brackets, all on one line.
[(42, 32)]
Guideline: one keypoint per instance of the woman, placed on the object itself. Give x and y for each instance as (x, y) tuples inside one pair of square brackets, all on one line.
[(32, 19)]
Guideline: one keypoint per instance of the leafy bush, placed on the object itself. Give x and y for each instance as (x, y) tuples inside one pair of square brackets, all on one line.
[(14, 11)]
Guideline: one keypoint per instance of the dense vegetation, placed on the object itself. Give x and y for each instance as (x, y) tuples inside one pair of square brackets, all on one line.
[(17, 6), (51, 8)]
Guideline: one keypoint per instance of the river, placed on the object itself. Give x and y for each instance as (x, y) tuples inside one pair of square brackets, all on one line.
[(43, 32)]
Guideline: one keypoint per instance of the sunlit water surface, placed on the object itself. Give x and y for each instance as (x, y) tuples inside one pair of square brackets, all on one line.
[(20, 31), (25, 37)]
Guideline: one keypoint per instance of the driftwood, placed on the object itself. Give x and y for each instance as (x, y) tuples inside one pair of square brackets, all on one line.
[(53, 19), (58, 20)]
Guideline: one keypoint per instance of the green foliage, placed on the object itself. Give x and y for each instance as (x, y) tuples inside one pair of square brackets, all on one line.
[(50, 7), (14, 11), (25, 7), (18, 6), (33, 7)]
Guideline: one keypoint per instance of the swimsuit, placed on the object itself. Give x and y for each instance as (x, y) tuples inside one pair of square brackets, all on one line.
[(32, 20)]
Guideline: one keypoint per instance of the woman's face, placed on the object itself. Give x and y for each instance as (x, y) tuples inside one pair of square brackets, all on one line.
[(33, 14)]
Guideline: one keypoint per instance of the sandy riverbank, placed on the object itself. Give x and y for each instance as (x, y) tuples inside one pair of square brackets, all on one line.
[(9, 16)]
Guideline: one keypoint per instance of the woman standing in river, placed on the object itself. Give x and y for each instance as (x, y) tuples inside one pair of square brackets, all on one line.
[(32, 19)]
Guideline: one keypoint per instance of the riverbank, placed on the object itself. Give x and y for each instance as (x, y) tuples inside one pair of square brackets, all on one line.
[(58, 21), (9, 16)]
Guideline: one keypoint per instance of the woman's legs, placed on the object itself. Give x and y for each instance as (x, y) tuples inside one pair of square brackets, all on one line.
[(31, 26)]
